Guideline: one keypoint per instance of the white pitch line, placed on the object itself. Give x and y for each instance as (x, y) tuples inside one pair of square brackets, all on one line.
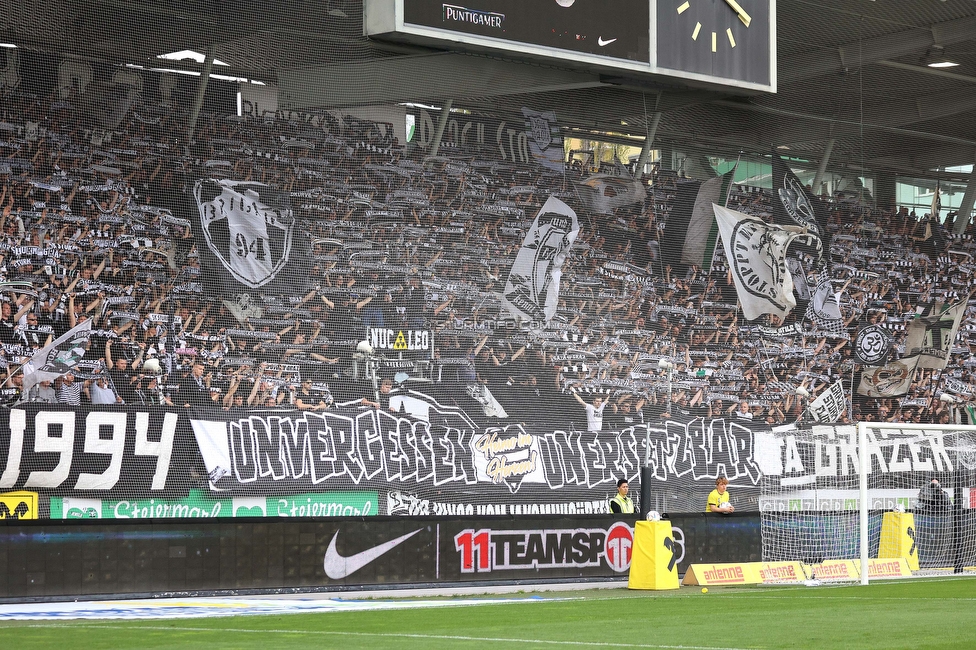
[(190, 608), (753, 595), (865, 598), (390, 635), (748, 593)]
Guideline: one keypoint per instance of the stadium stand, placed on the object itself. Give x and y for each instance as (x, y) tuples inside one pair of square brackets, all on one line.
[(95, 227)]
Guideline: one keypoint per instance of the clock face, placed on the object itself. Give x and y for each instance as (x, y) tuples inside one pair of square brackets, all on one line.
[(729, 39)]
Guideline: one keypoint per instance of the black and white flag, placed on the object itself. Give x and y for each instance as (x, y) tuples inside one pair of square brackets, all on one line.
[(890, 380), (794, 204), (830, 404), (247, 226), (545, 139), (690, 233), (61, 356), (756, 252), (872, 345), (532, 289), (823, 310), (248, 237), (930, 335)]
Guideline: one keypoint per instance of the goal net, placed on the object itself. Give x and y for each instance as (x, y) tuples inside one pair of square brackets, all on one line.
[(917, 502)]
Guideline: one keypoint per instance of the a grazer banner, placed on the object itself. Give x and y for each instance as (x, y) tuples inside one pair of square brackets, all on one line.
[(818, 468), (136, 463)]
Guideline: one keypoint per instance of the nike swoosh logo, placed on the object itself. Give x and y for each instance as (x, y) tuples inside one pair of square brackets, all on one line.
[(338, 567), (603, 43)]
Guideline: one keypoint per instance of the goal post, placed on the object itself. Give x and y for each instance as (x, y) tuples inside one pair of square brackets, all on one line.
[(870, 492), (864, 468)]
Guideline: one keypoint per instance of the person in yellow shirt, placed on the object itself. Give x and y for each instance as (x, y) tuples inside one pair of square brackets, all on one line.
[(718, 499)]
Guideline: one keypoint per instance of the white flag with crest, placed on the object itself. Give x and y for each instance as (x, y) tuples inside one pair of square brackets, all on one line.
[(756, 252), (532, 289), (545, 140)]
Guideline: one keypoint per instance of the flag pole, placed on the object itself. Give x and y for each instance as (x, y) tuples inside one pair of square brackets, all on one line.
[(850, 413), (711, 264)]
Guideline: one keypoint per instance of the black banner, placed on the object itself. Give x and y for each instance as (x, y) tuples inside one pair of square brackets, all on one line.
[(796, 205), (100, 463), (430, 460), (115, 451), (445, 464), (343, 553)]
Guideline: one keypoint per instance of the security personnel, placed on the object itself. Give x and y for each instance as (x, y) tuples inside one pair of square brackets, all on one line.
[(622, 504)]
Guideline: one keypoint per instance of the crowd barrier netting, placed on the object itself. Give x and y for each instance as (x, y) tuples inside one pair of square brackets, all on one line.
[(305, 313)]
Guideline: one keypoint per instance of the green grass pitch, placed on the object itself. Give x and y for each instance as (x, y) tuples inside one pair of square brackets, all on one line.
[(916, 614)]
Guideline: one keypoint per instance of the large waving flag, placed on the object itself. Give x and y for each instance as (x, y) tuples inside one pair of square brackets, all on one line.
[(930, 335), (532, 289), (890, 380), (61, 356), (756, 252), (795, 205), (690, 233)]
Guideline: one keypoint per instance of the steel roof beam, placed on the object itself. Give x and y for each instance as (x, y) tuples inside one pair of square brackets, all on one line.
[(859, 53)]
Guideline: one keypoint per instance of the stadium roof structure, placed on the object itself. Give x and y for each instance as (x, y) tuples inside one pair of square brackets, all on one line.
[(854, 75)]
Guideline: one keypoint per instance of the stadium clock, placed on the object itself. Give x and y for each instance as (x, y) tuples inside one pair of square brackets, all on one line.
[(730, 39), (725, 42)]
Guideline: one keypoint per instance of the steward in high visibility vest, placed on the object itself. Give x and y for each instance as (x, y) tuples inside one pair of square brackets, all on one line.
[(621, 503)]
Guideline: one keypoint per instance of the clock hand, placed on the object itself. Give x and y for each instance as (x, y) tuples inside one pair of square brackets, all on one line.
[(743, 16)]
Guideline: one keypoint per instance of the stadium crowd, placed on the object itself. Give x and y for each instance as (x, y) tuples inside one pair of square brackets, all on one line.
[(92, 229)]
